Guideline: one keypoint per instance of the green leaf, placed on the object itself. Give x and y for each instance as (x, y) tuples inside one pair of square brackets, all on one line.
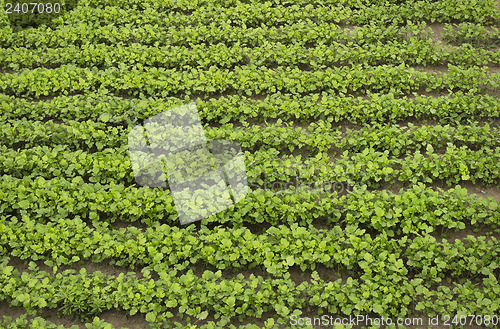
[(23, 297), (24, 204), (230, 301), (203, 315), (378, 309), (42, 303), (269, 323), (368, 257), (7, 270), (105, 117), (151, 316)]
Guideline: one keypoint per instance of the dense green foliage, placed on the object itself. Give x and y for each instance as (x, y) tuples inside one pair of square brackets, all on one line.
[(363, 131)]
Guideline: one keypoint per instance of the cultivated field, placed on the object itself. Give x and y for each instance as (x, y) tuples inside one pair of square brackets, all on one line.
[(371, 139)]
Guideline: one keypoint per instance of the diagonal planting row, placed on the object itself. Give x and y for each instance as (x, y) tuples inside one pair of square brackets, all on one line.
[(417, 209), (69, 240), (316, 138), (247, 80), (472, 34), (302, 33), (412, 52), (371, 167), (486, 5), (22, 322), (271, 14), (87, 295), (381, 108)]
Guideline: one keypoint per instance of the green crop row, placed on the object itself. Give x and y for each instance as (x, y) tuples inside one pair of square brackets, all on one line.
[(68, 241), (86, 295), (117, 16), (114, 165), (412, 52), (416, 209), (252, 14), (398, 140), (241, 14), (404, 140), (324, 107), (271, 14), (473, 34), (438, 261), (91, 135), (247, 80), (191, 6), (214, 33), (40, 323), (455, 165), (86, 135), (108, 56)]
